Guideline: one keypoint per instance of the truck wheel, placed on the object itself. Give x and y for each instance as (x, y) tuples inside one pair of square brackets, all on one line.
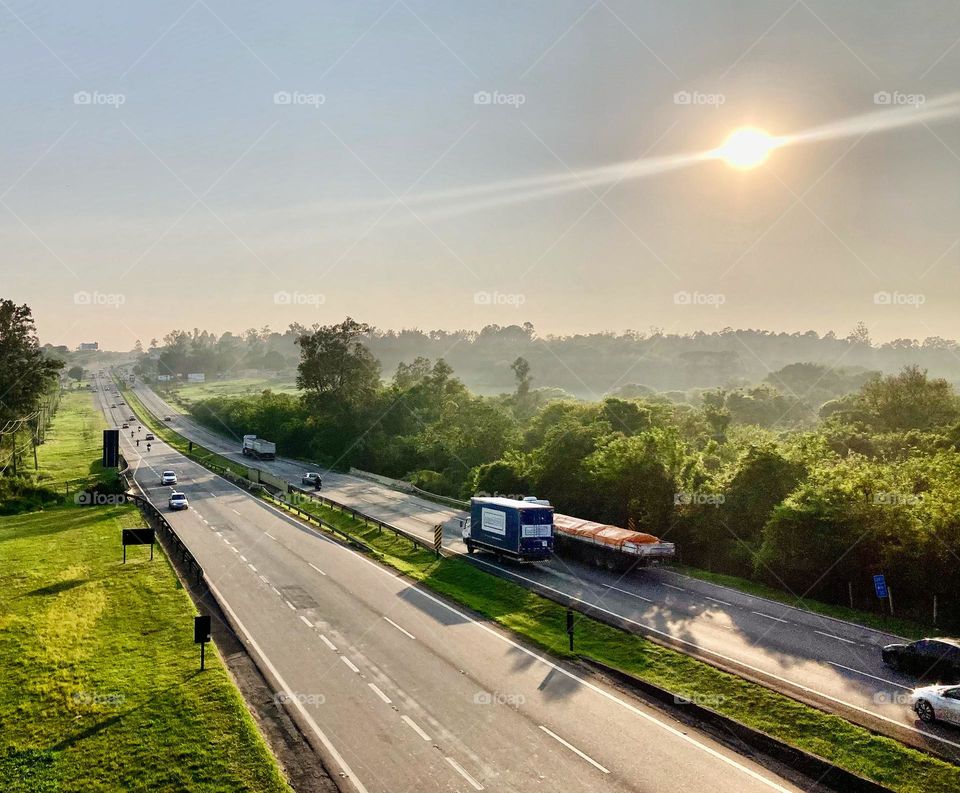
[(470, 548)]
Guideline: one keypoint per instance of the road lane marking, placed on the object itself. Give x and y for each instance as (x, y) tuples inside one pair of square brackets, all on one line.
[(628, 592), (243, 557), (768, 616), (573, 748), (350, 664), (275, 589), (316, 568), (867, 674), (329, 643), (270, 535), (838, 638), (722, 602), (379, 693), (678, 588), (402, 630), (462, 771), (234, 549), (264, 579), (306, 621), (234, 511), (414, 726), (251, 567), (292, 607)]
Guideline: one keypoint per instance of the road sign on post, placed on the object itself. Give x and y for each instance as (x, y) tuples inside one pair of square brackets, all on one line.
[(880, 585), (111, 449), (570, 627), (438, 538), (201, 634), (137, 537)]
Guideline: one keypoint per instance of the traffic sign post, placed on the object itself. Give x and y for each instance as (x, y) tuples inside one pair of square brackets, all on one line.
[(438, 538), (570, 627), (880, 585), (201, 634), (137, 537)]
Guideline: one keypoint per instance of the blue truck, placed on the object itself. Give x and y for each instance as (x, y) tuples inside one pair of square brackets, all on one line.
[(520, 530)]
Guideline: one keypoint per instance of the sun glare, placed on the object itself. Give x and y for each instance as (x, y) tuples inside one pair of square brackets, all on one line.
[(746, 148)]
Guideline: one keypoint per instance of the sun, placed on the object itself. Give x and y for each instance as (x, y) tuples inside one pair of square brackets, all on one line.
[(746, 148)]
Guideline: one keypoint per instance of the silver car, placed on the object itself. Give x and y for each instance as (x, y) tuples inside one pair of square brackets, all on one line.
[(178, 501), (168, 478)]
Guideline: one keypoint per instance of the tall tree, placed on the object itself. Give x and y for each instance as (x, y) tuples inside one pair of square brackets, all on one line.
[(336, 367), (25, 372)]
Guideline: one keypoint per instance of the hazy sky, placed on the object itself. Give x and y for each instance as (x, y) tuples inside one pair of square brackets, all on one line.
[(234, 164)]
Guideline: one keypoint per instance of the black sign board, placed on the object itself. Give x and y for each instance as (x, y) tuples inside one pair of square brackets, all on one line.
[(111, 448), (201, 635), (137, 537)]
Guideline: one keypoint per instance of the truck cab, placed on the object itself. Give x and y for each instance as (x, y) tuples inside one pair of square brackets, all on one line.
[(521, 530)]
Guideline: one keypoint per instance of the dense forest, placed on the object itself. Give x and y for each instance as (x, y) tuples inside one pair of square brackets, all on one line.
[(812, 480), (584, 366)]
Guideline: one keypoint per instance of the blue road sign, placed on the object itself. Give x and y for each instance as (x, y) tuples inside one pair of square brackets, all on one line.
[(880, 584)]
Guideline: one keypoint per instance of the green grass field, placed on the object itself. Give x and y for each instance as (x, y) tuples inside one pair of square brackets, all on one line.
[(543, 622), (101, 689), (188, 393)]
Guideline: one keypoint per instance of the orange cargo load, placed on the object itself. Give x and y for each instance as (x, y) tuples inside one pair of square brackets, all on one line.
[(600, 532)]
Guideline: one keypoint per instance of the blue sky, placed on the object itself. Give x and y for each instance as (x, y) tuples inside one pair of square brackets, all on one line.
[(183, 195)]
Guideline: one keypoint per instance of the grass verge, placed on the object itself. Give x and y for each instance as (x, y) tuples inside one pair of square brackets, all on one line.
[(895, 625), (543, 622), (101, 689)]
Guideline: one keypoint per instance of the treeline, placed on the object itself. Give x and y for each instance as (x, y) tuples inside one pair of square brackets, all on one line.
[(873, 487), (586, 366)]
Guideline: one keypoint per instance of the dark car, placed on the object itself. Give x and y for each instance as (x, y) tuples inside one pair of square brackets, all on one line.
[(149, 437), (937, 659)]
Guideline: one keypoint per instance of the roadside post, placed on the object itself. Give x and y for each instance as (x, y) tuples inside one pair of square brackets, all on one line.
[(883, 590), (137, 537), (438, 538), (201, 635), (570, 627)]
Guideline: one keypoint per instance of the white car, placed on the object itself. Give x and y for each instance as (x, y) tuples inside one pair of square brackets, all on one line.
[(178, 501), (933, 703), (168, 478)]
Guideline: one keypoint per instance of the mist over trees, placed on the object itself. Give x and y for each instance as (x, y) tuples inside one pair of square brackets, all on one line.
[(811, 479)]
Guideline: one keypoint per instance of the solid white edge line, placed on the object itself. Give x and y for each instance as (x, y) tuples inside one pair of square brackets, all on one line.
[(379, 693), (353, 667), (573, 748), (463, 772), (771, 675), (414, 726), (402, 630), (770, 617), (327, 642), (290, 699)]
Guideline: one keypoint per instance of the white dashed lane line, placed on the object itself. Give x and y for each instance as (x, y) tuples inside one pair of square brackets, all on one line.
[(573, 748), (350, 664), (415, 727), (721, 602), (462, 771), (292, 607), (867, 674), (767, 616), (838, 638), (306, 621), (404, 631), (678, 588), (327, 642), (316, 568), (270, 535), (379, 693)]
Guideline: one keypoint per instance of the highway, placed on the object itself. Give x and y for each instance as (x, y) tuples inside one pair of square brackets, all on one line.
[(406, 692), (830, 663)]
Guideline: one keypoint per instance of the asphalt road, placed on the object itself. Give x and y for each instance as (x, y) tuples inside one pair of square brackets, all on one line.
[(833, 664), (409, 693)]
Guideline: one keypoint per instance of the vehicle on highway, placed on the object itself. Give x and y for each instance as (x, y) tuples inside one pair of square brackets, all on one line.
[(149, 437), (937, 659), (114, 405), (125, 426), (610, 547), (521, 530), (167, 418), (168, 478), (937, 703), (311, 479), (258, 447), (132, 418), (178, 501)]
